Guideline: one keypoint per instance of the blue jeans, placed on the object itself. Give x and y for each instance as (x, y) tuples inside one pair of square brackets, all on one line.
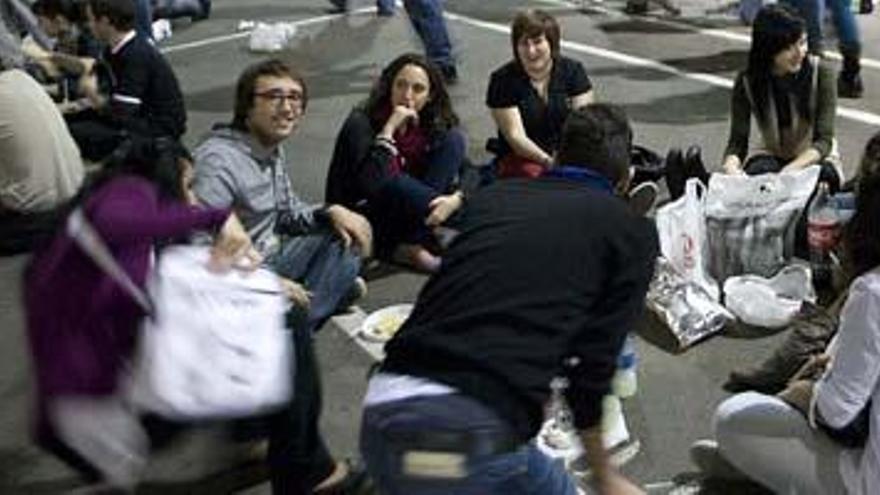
[(524, 470), (427, 19), (813, 12), (400, 207), (323, 266), (143, 18)]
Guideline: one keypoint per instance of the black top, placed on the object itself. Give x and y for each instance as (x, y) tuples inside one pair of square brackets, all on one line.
[(145, 95), (360, 165), (544, 270), (510, 86)]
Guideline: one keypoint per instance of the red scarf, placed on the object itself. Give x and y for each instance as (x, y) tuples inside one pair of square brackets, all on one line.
[(412, 148)]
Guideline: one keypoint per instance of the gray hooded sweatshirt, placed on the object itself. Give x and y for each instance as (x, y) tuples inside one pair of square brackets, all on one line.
[(233, 170)]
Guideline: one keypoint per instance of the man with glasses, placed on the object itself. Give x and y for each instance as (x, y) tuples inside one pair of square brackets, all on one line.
[(316, 248)]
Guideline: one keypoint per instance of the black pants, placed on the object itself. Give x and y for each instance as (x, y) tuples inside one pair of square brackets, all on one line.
[(95, 136), (21, 232)]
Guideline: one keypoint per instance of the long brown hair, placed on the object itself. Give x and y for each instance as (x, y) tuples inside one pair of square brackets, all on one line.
[(436, 115)]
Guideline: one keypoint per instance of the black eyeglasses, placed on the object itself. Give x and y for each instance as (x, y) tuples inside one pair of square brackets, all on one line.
[(279, 97)]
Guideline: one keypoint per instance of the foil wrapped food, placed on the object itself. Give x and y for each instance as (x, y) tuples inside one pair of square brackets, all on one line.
[(687, 310)]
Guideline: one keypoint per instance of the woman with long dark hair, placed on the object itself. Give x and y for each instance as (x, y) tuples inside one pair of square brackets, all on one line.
[(397, 158), (793, 99), (820, 435)]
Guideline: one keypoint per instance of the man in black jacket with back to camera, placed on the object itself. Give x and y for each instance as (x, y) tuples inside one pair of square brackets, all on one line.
[(545, 278)]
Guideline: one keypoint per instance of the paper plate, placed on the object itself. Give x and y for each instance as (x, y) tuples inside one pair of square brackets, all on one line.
[(382, 324)]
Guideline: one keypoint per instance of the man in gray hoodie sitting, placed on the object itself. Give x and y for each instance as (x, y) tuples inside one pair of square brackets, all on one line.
[(316, 248), (242, 165)]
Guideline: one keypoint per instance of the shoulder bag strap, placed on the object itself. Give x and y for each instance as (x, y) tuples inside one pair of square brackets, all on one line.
[(88, 239)]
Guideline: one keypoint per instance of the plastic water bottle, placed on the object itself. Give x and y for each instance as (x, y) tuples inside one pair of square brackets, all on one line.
[(559, 411), (823, 232), (625, 381)]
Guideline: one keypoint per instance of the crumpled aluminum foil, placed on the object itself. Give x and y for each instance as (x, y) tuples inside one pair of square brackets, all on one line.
[(689, 312)]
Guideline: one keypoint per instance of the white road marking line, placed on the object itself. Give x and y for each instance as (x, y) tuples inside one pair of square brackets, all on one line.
[(245, 33), (857, 115), (711, 32)]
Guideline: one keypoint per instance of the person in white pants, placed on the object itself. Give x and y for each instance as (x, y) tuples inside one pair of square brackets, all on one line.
[(818, 436)]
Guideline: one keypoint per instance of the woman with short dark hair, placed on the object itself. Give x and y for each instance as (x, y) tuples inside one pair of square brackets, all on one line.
[(531, 96)]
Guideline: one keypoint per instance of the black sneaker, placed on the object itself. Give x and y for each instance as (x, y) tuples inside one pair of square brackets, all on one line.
[(850, 85), (676, 175), (450, 74)]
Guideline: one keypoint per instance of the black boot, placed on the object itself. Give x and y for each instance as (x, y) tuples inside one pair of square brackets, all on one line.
[(636, 7), (693, 164), (676, 174), (849, 83), (866, 6)]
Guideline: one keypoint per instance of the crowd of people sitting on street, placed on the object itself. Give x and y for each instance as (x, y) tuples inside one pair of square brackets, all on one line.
[(453, 407)]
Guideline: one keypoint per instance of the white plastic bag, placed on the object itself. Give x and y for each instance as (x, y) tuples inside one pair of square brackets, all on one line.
[(751, 220), (769, 303), (161, 30), (271, 37), (681, 226), (216, 345)]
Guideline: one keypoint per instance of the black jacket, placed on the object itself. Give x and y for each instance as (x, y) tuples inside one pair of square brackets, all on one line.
[(543, 270)]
